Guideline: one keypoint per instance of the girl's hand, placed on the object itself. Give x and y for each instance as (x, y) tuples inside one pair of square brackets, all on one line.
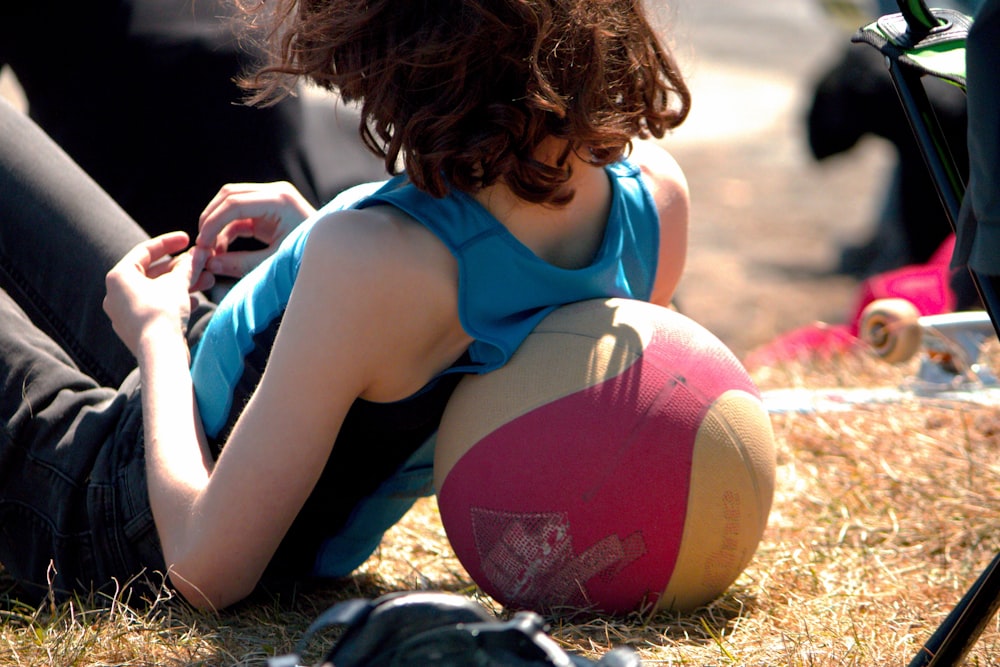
[(263, 211), (150, 285)]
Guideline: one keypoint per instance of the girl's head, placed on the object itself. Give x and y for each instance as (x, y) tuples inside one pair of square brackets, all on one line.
[(467, 90)]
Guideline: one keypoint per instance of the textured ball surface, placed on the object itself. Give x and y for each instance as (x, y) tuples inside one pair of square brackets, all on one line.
[(621, 460)]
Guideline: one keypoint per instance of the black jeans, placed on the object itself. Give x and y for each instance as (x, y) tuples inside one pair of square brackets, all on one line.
[(74, 509)]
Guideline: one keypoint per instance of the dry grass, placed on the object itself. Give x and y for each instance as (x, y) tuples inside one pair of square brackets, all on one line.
[(882, 518)]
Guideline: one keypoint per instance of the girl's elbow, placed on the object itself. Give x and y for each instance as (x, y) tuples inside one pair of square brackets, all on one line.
[(207, 590)]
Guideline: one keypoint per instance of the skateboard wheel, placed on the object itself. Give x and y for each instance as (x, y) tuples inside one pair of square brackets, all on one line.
[(892, 328)]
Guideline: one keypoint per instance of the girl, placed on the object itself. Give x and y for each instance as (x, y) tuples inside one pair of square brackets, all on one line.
[(271, 437)]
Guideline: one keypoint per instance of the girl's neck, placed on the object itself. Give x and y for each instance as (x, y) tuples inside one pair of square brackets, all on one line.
[(567, 236)]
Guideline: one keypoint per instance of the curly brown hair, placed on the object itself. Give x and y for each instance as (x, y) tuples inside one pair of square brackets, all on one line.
[(466, 90)]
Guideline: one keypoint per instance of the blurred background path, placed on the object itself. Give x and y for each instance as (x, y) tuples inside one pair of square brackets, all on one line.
[(767, 219)]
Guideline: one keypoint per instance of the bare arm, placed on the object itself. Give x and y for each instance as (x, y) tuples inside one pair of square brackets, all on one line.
[(280, 443), (148, 303), (219, 527), (670, 191), (178, 462)]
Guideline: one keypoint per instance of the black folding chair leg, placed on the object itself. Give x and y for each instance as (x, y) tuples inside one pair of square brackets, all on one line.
[(930, 138), (944, 172), (958, 633)]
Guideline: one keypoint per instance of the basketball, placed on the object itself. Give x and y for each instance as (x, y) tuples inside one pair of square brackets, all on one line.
[(621, 461)]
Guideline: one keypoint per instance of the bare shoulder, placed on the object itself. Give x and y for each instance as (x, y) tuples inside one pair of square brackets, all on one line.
[(404, 282), (662, 171), (383, 244), (669, 188)]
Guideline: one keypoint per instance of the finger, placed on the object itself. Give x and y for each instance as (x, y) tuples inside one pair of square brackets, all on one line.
[(151, 251), (211, 220), (244, 228), (160, 267), (266, 206), (243, 215), (199, 258), (205, 281), (235, 202), (200, 278), (236, 264), (220, 197), (179, 268)]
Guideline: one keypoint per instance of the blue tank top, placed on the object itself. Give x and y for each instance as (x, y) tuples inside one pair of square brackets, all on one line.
[(504, 289)]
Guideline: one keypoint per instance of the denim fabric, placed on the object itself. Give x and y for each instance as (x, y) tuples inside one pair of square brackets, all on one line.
[(74, 510)]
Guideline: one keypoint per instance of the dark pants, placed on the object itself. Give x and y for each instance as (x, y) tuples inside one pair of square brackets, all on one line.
[(73, 502)]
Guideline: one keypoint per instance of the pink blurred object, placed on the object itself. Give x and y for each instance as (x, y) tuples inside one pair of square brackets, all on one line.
[(926, 286)]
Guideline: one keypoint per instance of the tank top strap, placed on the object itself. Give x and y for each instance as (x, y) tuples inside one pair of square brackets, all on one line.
[(505, 289)]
